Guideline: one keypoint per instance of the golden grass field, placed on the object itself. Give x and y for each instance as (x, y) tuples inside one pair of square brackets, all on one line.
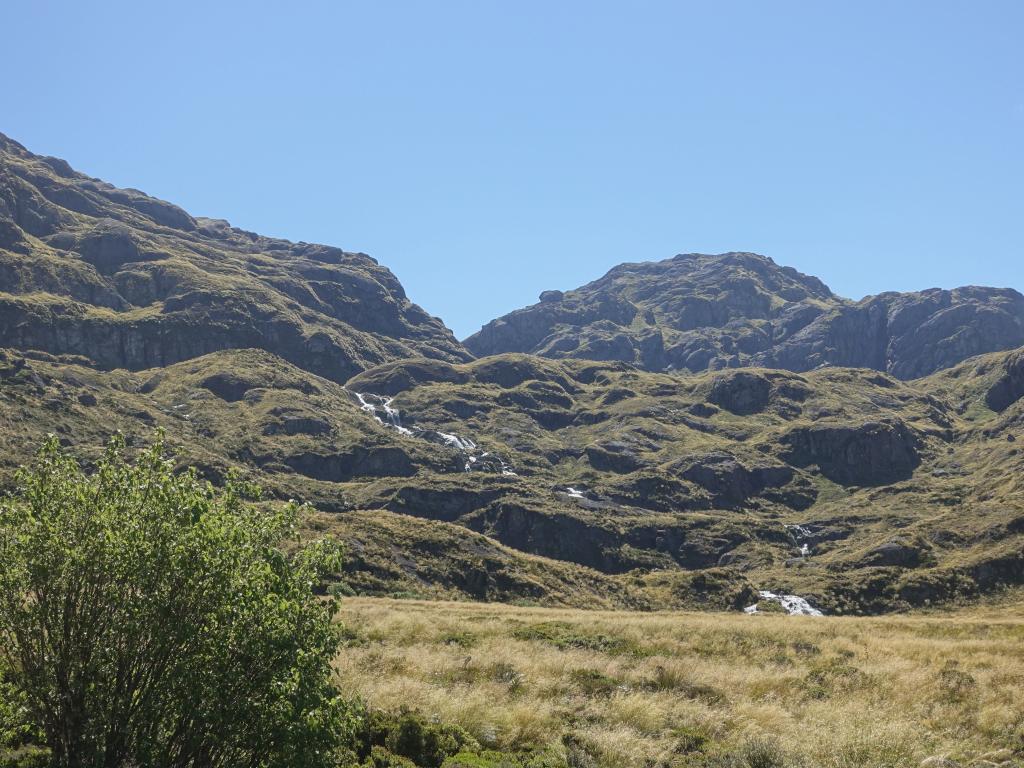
[(658, 689)]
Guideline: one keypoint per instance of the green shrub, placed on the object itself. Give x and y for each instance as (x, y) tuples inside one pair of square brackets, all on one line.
[(380, 757), (407, 735), (148, 619)]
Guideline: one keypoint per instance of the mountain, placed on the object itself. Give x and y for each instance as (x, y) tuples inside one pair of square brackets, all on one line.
[(698, 312), (860, 455), (124, 280)]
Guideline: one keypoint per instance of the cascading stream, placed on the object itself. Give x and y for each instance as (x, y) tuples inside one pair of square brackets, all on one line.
[(375, 405), (793, 604)]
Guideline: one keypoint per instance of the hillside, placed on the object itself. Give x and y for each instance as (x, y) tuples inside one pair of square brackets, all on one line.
[(128, 281), (583, 483), (698, 312)]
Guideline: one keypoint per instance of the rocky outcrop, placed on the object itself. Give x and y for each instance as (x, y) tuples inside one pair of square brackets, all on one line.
[(741, 393), (875, 453), (731, 484), (1008, 388), (698, 312), (897, 553)]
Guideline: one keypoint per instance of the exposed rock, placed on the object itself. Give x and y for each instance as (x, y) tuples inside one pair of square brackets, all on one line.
[(298, 425), (729, 482), (874, 453), (227, 386), (741, 392), (392, 378), (700, 311), (897, 553), (615, 460), (360, 462), (108, 246), (11, 236), (1009, 388)]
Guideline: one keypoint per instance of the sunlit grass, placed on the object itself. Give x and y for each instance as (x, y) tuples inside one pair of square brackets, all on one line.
[(646, 689)]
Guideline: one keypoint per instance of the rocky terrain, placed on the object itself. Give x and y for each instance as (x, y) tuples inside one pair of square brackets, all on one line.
[(700, 432), (697, 312), (127, 281)]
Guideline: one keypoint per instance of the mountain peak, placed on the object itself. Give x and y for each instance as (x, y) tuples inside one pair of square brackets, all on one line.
[(705, 311)]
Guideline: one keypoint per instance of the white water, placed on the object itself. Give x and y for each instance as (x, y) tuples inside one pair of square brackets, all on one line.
[(459, 443), (375, 405), (794, 604), (801, 532)]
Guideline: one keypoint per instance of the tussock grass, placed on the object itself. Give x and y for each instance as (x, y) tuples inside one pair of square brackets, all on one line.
[(652, 689)]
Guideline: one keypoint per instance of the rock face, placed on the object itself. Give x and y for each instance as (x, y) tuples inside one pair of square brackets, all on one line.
[(741, 393), (1009, 388), (875, 453), (129, 281), (729, 482), (698, 311)]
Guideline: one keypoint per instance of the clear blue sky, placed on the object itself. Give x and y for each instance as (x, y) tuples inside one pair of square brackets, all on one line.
[(486, 151)]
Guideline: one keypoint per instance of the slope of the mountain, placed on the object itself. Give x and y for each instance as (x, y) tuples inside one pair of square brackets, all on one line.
[(683, 434), (698, 312), (128, 281), (588, 483)]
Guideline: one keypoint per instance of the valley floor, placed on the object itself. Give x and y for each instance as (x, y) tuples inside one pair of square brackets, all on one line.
[(653, 689)]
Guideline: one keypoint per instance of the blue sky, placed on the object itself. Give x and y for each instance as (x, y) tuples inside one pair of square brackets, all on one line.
[(486, 151)]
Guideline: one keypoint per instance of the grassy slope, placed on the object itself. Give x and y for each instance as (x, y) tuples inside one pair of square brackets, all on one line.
[(425, 527), (664, 688)]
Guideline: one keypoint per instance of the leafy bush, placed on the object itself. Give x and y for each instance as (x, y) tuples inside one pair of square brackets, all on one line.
[(148, 619)]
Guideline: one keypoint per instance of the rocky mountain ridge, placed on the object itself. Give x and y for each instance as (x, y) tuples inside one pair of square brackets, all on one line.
[(696, 312), (127, 281)]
